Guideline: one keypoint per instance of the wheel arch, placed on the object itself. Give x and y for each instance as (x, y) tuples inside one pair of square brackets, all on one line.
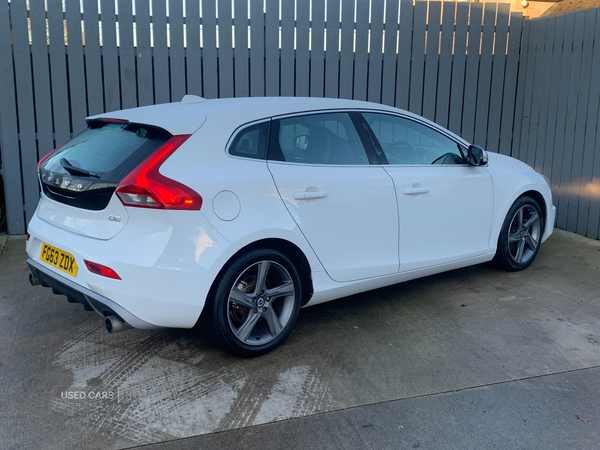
[(503, 257), (528, 191), (282, 245), (539, 198)]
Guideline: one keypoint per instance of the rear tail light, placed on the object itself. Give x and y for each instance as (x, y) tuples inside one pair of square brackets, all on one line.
[(145, 187), (99, 269)]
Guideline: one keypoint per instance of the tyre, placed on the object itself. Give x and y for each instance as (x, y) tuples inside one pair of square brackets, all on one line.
[(521, 235), (254, 304)]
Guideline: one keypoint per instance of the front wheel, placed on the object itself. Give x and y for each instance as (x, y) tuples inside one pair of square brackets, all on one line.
[(521, 235), (255, 303)]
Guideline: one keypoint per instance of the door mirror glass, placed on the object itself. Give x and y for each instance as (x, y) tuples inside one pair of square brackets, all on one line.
[(476, 156)]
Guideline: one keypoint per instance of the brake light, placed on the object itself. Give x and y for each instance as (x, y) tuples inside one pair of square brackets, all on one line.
[(109, 120), (145, 187), (99, 269)]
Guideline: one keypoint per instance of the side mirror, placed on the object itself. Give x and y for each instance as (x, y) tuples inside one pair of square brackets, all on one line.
[(476, 156)]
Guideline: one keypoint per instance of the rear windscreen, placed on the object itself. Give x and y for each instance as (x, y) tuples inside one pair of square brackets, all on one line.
[(85, 171)]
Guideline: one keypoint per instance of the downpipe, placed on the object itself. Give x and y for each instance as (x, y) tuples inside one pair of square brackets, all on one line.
[(113, 324)]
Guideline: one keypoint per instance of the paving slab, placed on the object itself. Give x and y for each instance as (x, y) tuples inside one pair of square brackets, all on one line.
[(64, 382), (558, 411)]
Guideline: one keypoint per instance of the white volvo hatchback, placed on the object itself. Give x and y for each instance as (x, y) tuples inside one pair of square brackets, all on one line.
[(235, 213)]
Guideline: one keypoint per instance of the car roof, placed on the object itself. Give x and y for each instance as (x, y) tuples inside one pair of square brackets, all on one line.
[(187, 116)]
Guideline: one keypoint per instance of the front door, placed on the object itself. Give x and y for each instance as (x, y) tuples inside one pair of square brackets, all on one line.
[(445, 206)]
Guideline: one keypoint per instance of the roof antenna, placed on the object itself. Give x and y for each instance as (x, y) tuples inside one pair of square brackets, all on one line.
[(192, 99)]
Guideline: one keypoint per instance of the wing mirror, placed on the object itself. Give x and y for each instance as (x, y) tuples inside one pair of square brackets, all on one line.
[(477, 156)]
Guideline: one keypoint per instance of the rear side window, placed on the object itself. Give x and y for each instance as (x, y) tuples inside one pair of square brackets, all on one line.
[(251, 142), (85, 171), (327, 138)]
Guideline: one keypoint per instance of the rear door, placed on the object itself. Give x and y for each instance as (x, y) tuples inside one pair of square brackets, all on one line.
[(344, 206)]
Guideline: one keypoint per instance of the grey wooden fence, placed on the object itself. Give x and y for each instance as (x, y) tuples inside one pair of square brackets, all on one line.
[(557, 130), (454, 63)]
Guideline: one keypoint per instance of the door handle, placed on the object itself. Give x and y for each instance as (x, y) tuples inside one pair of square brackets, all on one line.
[(416, 191), (304, 195)]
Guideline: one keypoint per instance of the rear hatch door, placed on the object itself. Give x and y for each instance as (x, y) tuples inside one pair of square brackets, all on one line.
[(79, 179)]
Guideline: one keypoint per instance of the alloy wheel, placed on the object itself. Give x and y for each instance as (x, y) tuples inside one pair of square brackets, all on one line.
[(524, 234), (261, 303)]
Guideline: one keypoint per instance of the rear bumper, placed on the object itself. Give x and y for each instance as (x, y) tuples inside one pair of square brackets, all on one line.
[(79, 294), (166, 261)]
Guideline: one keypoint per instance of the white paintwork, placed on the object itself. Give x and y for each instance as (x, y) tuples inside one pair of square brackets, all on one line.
[(226, 205), (326, 289), (347, 214), (345, 220), (512, 178), (445, 213), (96, 224), (160, 256)]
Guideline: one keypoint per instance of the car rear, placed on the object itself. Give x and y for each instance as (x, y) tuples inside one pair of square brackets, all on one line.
[(112, 232)]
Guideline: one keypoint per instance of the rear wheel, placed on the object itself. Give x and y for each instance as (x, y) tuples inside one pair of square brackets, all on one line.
[(255, 303), (521, 235)]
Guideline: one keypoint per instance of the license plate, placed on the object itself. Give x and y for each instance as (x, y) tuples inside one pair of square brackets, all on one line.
[(60, 259)]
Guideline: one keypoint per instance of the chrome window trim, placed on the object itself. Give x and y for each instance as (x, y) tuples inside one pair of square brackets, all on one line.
[(446, 133), (463, 144)]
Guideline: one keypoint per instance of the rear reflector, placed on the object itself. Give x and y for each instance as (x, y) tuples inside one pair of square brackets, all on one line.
[(99, 269), (145, 187)]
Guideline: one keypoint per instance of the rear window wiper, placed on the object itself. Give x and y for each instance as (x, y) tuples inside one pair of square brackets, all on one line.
[(76, 170)]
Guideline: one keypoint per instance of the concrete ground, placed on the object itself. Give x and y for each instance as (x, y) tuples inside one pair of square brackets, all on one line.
[(475, 358)]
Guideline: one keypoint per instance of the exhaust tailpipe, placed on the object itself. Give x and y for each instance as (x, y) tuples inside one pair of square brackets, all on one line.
[(114, 324), (33, 280)]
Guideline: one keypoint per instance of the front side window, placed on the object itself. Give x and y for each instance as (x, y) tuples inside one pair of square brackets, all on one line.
[(405, 141), (328, 138)]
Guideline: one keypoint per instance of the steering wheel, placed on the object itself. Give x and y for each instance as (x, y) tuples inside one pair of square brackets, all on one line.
[(448, 158), (401, 152)]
